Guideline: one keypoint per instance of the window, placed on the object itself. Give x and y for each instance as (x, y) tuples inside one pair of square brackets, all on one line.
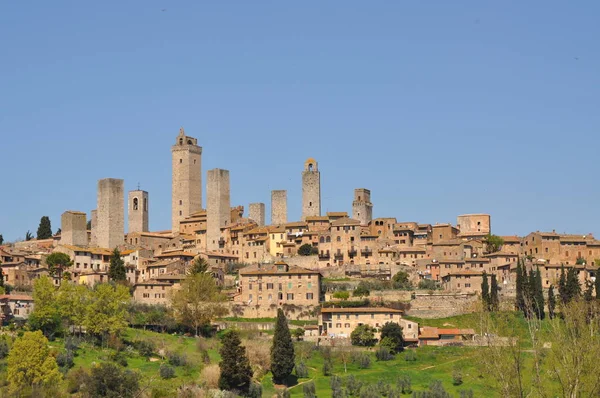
[(309, 285), (346, 325), (339, 316), (269, 286), (250, 286), (309, 296), (180, 161), (250, 297), (135, 203), (338, 325), (290, 285), (339, 238), (290, 296)]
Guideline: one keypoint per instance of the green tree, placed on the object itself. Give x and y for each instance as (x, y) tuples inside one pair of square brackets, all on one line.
[(597, 285), (282, 350), (393, 333), (362, 290), (520, 303), (562, 286), (341, 294), (580, 261), (106, 311), (538, 296), (493, 243), (485, 293), (73, 300), (116, 270), (57, 262), (1, 239), (551, 302), (363, 335), (111, 381), (28, 236), (236, 372), (88, 225), (45, 229), (306, 250), (45, 315), (588, 294), (494, 299), (30, 364), (1, 276), (199, 266), (198, 301), (401, 280), (573, 287), (298, 333)]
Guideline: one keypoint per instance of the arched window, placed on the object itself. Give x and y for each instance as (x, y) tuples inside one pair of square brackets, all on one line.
[(339, 239), (310, 167), (181, 141), (135, 203), (321, 240), (328, 239), (189, 142)]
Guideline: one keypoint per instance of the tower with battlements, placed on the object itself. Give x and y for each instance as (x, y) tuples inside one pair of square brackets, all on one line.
[(218, 207), (187, 179), (362, 208)]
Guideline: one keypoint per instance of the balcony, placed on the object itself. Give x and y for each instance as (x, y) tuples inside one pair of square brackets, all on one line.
[(338, 256), (324, 256), (366, 252), (352, 252)]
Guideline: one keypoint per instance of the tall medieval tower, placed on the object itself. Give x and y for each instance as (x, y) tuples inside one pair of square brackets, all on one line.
[(110, 230), (187, 179), (137, 211), (362, 208), (218, 207), (311, 189)]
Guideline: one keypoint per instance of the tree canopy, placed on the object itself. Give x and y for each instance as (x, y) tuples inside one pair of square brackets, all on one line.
[(30, 363), (45, 315), (199, 266), (307, 249), (116, 270), (106, 311), (391, 332), (44, 231), (236, 373), (363, 335), (57, 262), (493, 243)]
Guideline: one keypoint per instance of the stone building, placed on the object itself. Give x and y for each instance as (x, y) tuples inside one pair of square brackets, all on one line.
[(278, 284), (340, 322), (311, 189), (278, 207), (73, 225), (345, 240), (187, 178), (218, 206), (474, 225), (256, 213), (556, 248), (362, 208), (463, 281), (110, 231), (137, 204), (94, 226)]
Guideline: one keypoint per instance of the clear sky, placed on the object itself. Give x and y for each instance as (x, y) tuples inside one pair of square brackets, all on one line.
[(439, 107)]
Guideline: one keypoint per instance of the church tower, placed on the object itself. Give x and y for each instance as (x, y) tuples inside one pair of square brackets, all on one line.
[(137, 211), (311, 189), (187, 178)]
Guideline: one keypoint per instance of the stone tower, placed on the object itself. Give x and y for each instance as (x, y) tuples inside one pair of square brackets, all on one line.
[(218, 206), (362, 208), (110, 231), (73, 227), (278, 207), (137, 211), (187, 179), (94, 222), (256, 212), (311, 189)]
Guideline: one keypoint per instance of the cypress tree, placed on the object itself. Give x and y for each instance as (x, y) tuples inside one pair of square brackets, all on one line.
[(236, 373), (588, 294), (485, 293), (597, 283), (116, 270), (573, 288), (1, 276), (539, 295), (45, 229), (494, 300), (519, 302), (282, 350), (562, 286), (551, 302)]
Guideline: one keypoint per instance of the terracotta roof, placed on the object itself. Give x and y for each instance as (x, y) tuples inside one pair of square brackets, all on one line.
[(464, 273), (337, 214), (152, 283), (354, 310), (511, 239), (271, 269), (344, 221), (317, 218), (16, 297), (176, 253), (296, 224)]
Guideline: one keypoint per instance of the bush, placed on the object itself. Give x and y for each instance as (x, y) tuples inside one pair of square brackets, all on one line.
[(176, 359), (362, 290), (353, 385), (457, 377), (466, 394), (209, 376), (4, 349), (383, 388), (307, 250), (362, 359), (327, 367), (109, 380), (428, 284), (363, 335), (255, 390), (119, 358), (72, 344), (77, 380), (370, 391), (401, 281), (166, 371), (309, 390), (285, 393), (335, 383), (301, 370), (65, 360), (410, 355), (404, 384), (341, 295), (384, 354), (144, 348)]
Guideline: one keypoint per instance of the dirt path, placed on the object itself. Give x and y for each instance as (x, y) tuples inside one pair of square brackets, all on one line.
[(445, 363)]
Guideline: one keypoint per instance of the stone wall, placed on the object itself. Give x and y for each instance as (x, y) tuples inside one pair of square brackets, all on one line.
[(292, 312), (442, 305), (110, 232), (278, 207)]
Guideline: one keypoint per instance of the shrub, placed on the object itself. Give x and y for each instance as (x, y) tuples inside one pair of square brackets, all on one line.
[(176, 359), (370, 391), (119, 358), (4, 349), (404, 384), (166, 371), (309, 390), (362, 359), (410, 355), (72, 344), (285, 393), (327, 367), (466, 394), (301, 370), (76, 380), (109, 380), (307, 249), (65, 360), (457, 377), (428, 284), (255, 390), (341, 295), (353, 385), (335, 383), (363, 335), (362, 290), (383, 388), (209, 376), (384, 354), (145, 348), (437, 389)]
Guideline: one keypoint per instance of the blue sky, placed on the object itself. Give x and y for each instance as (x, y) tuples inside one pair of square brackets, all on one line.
[(439, 107)]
